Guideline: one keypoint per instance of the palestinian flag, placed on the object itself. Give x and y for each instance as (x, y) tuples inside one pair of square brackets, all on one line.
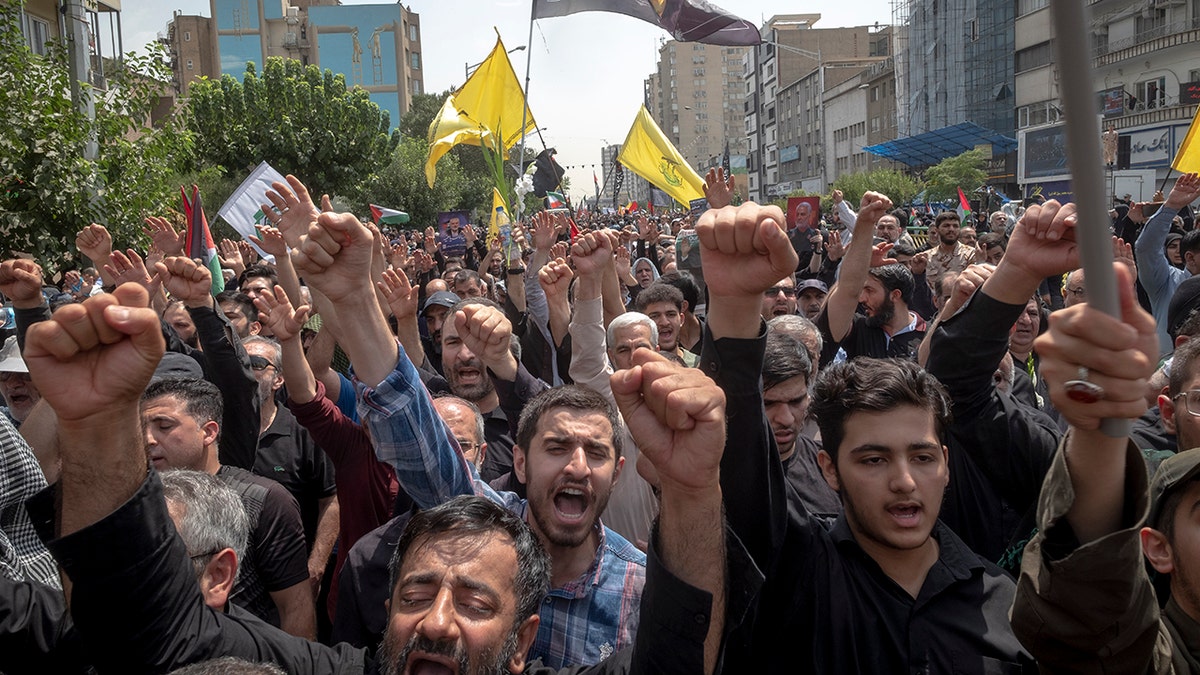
[(964, 208), (555, 201), (200, 244), (386, 216)]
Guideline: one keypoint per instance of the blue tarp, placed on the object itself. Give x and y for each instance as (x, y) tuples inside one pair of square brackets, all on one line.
[(932, 147)]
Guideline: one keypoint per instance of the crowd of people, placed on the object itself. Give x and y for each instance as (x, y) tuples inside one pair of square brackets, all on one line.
[(607, 443)]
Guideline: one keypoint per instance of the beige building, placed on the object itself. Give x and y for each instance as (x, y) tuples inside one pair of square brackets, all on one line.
[(697, 96), (42, 22)]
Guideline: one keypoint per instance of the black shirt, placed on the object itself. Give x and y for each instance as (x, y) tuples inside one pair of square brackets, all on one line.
[(288, 455), (826, 606), (138, 608), (867, 340)]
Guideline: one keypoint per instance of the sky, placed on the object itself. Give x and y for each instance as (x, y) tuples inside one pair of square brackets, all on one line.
[(587, 70)]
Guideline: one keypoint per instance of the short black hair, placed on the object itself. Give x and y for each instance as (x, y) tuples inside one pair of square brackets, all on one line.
[(658, 292), (944, 216), (784, 359), (243, 302), (876, 385), (574, 397), (903, 248), (201, 398), (686, 283), (256, 271), (896, 277), (468, 515), (1190, 243)]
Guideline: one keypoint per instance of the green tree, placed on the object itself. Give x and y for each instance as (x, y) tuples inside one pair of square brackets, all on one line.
[(421, 111), (401, 184), (48, 191), (965, 171), (900, 187), (298, 119)]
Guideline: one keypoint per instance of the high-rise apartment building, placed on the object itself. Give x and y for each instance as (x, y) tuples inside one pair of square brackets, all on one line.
[(696, 97), (377, 47)]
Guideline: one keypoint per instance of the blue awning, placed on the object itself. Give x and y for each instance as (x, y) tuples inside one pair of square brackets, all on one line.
[(932, 147)]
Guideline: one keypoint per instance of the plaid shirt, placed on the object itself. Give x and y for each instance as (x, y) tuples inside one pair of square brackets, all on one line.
[(582, 622), (23, 556)]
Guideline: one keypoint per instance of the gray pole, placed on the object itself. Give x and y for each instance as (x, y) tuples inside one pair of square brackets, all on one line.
[(80, 67)]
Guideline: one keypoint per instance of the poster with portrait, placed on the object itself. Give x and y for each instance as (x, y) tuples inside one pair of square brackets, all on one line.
[(459, 219), (687, 250), (803, 213)]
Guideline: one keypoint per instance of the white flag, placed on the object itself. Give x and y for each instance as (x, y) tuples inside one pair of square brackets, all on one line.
[(243, 209)]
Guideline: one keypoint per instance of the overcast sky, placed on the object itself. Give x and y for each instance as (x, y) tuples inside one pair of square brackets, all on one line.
[(588, 69)]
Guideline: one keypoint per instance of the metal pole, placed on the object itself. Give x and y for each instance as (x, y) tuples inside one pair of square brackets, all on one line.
[(1087, 173), (525, 108)]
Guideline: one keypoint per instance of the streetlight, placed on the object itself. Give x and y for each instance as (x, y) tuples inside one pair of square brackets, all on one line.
[(468, 69)]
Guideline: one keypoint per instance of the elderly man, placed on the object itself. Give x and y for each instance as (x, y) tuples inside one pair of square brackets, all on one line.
[(20, 393)]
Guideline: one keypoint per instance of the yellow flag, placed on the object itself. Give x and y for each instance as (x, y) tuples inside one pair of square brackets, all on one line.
[(1187, 160), (449, 129), (490, 102), (649, 154)]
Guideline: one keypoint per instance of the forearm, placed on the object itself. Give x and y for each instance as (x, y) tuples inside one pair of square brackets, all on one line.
[(409, 334), (289, 279), (560, 319), (103, 465), (516, 291), (856, 266), (367, 340), (302, 384), (328, 523), (610, 290), (734, 316), (1097, 464), (297, 611), (691, 536)]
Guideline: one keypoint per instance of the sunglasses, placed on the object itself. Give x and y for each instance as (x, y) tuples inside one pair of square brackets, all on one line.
[(259, 363)]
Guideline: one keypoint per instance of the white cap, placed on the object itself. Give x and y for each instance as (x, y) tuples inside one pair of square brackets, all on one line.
[(10, 357)]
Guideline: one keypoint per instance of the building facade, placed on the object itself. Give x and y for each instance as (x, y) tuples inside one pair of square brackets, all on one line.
[(1147, 81), (376, 47)]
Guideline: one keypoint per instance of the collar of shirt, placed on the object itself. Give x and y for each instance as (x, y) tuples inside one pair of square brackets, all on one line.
[(579, 587)]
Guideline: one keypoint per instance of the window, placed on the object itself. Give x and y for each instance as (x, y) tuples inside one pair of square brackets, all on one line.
[(416, 61), (37, 32), (412, 33), (1034, 57), (416, 86), (1151, 93), (1026, 6), (1151, 23), (189, 64), (187, 36)]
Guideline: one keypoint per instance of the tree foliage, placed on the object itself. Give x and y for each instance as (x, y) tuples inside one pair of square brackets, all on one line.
[(48, 190), (401, 184), (965, 171), (298, 119), (900, 187)]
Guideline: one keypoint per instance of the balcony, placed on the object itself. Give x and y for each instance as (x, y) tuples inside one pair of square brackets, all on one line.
[(1148, 41), (1164, 109)]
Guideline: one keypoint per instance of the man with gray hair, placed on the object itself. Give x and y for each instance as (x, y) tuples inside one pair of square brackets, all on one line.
[(213, 524)]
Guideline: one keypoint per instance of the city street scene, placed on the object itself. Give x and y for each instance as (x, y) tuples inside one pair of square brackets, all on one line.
[(599, 337)]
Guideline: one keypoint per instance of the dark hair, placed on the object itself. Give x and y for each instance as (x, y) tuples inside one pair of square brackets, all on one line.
[(574, 397), (875, 385), (1183, 366), (1190, 243), (944, 216), (468, 515), (1190, 326), (658, 292), (465, 275), (243, 302), (901, 215), (903, 248), (896, 277), (256, 271), (201, 398), (991, 239), (784, 359), (686, 284)]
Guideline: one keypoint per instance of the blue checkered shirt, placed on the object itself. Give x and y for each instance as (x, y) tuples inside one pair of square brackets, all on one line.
[(583, 621)]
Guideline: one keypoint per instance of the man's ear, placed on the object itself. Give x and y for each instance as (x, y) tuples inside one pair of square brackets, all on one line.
[(525, 636), (1166, 408), (211, 430), (216, 581), (519, 463), (829, 470), (255, 327), (683, 308), (1157, 550)]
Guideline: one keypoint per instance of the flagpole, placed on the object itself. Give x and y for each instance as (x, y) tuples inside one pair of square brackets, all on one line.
[(525, 108), (1087, 174)]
